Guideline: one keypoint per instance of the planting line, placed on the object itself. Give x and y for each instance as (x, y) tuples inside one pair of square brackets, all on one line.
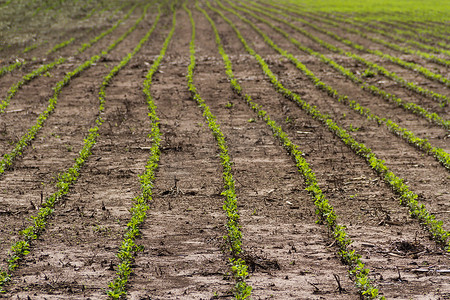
[(407, 197), (26, 139), (400, 30), (408, 65), (422, 144), (128, 248), (239, 268), (436, 35), (444, 100), (15, 65), (324, 210), (60, 46), (337, 21), (11, 67), (45, 68), (32, 47), (391, 26), (21, 248), (407, 106), (407, 50)]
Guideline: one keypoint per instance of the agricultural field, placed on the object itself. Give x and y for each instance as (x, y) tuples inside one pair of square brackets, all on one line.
[(224, 149)]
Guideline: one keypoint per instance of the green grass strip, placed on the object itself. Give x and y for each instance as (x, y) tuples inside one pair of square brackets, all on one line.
[(21, 248), (47, 67), (407, 197), (233, 238), (442, 99), (324, 210), (128, 248), (421, 144)]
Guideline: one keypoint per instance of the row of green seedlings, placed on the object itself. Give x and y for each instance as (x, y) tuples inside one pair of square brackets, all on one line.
[(60, 46), (433, 26), (413, 36), (233, 238), (436, 37), (22, 248), (128, 248), (54, 49), (11, 67), (8, 158), (338, 21), (442, 99), (407, 50), (106, 32), (374, 28), (407, 106), (57, 47), (422, 144), (324, 210), (89, 14), (399, 30), (106, 7), (19, 63), (396, 60), (33, 46), (49, 5), (47, 67), (397, 27), (407, 197)]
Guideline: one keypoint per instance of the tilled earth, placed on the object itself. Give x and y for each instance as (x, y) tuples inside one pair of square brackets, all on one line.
[(184, 254)]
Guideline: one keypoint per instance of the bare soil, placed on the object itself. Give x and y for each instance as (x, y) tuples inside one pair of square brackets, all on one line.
[(184, 257)]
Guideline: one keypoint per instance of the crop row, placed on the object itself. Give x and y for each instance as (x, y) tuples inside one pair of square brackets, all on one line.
[(399, 28), (60, 46), (440, 155), (8, 158), (338, 21), (407, 106), (11, 67), (234, 236), (324, 209), (442, 39), (68, 178), (47, 67), (408, 65), (55, 48), (427, 56), (128, 248), (397, 184), (443, 99), (21, 12)]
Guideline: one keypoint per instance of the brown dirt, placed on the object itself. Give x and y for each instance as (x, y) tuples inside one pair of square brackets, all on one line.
[(184, 257)]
